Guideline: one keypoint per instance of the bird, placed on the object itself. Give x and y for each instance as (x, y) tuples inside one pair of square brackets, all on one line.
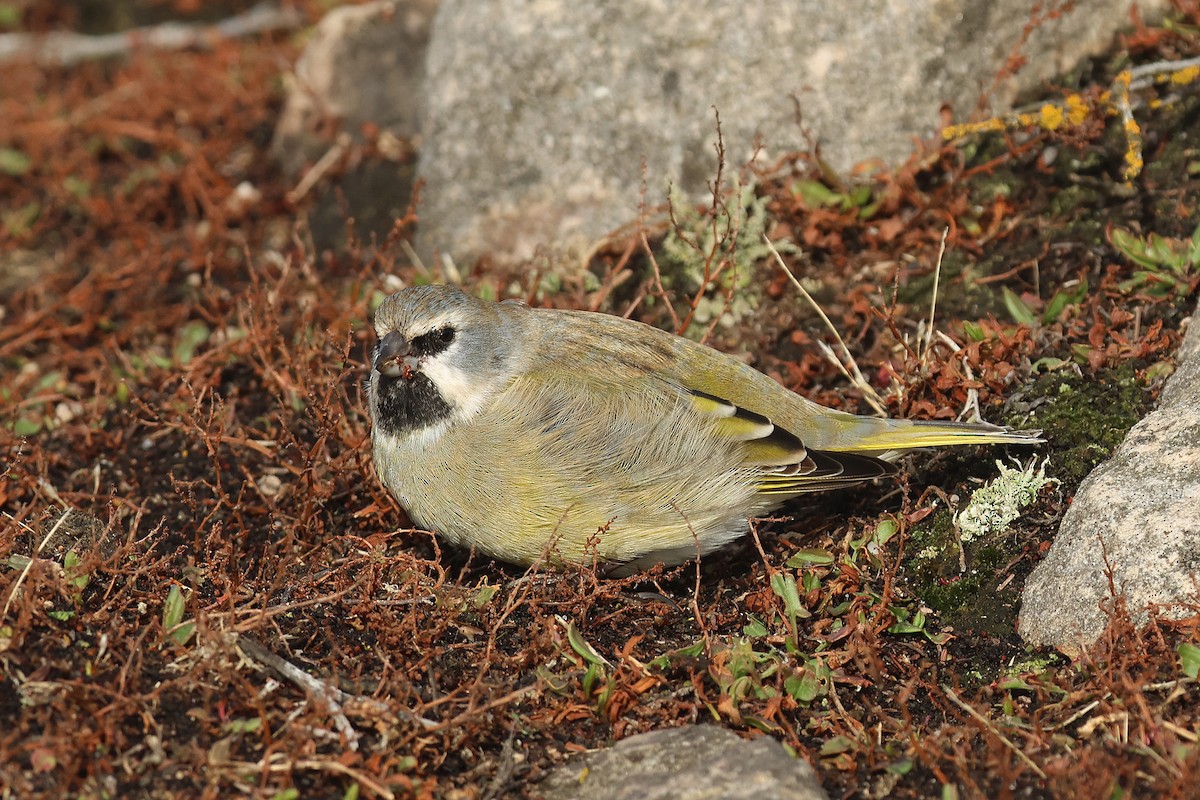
[(559, 437)]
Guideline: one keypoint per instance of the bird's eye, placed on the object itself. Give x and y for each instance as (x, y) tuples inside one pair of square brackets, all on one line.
[(434, 342)]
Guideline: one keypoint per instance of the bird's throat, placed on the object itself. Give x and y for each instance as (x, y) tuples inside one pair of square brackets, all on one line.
[(409, 403)]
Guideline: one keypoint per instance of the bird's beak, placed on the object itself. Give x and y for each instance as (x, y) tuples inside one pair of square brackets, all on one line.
[(392, 347)]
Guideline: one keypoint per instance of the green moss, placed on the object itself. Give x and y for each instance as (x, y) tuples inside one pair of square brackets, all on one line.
[(1084, 418), (964, 599), (729, 236), (1035, 664), (1076, 198)]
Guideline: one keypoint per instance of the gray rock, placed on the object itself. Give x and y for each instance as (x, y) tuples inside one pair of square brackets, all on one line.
[(363, 65), (541, 114), (1138, 514), (701, 762)]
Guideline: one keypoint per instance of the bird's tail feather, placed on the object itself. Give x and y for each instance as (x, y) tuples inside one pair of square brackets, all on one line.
[(889, 438)]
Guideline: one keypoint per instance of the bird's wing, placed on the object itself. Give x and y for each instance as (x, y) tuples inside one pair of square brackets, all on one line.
[(784, 466), (637, 366)]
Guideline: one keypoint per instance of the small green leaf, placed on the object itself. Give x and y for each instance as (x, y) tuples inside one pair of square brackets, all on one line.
[(904, 624), (176, 629), (1048, 364), (886, 530), (77, 186), (17, 561), (1017, 684), (808, 557), (860, 195), (1189, 657), (581, 646), (20, 220), (14, 162), (1193, 248), (1017, 308), (811, 581), (191, 336), (1132, 247), (174, 607), (248, 725), (1058, 303), (804, 687), (10, 15), (77, 577), (27, 426), (815, 194), (784, 585), (755, 628), (974, 331), (61, 616), (836, 745), (484, 595)]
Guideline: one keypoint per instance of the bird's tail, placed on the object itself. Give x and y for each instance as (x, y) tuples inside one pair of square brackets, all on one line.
[(889, 438)]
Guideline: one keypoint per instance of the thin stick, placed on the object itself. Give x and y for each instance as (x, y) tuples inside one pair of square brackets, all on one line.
[(318, 171), (63, 49), (281, 763), (29, 564), (937, 278), (987, 723), (853, 374)]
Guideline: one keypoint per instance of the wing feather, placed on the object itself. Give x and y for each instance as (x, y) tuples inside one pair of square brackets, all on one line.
[(783, 466)]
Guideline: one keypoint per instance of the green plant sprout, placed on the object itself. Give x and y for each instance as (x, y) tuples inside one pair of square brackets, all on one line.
[(1167, 264)]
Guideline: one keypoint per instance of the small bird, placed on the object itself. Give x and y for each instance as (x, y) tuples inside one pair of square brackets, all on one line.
[(574, 437)]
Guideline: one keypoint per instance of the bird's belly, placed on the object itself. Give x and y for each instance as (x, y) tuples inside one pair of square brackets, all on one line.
[(509, 505)]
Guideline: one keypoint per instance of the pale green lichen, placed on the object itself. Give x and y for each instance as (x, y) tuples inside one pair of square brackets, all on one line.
[(994, 507)]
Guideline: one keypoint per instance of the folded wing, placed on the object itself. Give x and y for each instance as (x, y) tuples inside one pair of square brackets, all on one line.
[(784, 467)]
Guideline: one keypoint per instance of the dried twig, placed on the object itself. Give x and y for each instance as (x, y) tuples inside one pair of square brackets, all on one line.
[(279, 762), (937, 279), (848, 366), (64, 49), (332, 698), (987, 723), (29, 564), (318, 170)]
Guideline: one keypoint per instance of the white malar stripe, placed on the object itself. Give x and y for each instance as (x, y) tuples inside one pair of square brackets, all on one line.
[(465, 396)]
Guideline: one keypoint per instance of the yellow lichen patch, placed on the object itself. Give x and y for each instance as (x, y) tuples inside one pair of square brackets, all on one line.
[(1077, 109), (1185, 75), (1052, 117), (993, 125)]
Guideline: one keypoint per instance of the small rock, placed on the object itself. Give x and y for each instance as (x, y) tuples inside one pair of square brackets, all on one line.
[(700, 762)]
